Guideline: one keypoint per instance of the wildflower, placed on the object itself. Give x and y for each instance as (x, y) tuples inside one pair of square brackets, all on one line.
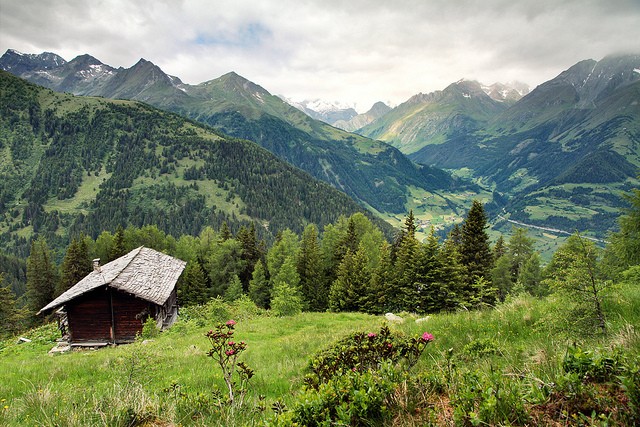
[(229, 352), (231, 322), (371, 335), (231, 343), (427, 337)]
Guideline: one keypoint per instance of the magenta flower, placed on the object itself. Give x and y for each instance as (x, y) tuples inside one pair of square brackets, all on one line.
[(371, 335), (231, 343), (231, 322), (427, 337), (229, 352)]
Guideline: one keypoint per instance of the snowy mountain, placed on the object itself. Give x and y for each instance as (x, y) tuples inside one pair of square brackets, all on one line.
[(328, 112)]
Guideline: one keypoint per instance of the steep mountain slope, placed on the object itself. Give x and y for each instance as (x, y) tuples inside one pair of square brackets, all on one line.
[(70, 164), (563, 153), (463, 107), (371, 172), (378, 110)]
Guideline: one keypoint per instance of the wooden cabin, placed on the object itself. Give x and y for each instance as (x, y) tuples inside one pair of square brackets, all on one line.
[(112, 302)]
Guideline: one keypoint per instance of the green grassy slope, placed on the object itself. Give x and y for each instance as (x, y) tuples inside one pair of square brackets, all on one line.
[(519, 346)]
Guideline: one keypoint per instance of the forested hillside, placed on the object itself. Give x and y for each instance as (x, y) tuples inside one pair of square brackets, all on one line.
[(371, 172), (73, 165)]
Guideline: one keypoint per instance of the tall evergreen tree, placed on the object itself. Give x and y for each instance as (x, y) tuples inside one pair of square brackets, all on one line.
[(75, 265), (192, 288), (119, 248), (315, 290), (11, 317), (259, 287), (348, 291), (452, 274), (406, 293), (376, 299), (475, 251), (428, 275), (41, 276), (252, 251), (499, 248), (234, 289), (225, 232)]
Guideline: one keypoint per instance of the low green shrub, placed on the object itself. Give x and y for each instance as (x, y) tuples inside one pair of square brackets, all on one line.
[(356, 398), (363, 351)]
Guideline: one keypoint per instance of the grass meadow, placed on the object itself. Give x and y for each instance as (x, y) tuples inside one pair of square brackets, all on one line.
[(513, 352)]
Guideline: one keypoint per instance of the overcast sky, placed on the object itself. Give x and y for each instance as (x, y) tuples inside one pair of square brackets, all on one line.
[(353, 51)]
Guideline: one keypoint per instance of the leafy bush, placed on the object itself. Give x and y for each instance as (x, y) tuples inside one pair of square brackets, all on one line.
[(149, 329), (363, 351), (491, 399), (354, 399), (480, 347), (215, 310), (593, 366)]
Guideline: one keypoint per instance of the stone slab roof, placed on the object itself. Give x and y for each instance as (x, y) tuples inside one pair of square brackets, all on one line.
[(143, 272)]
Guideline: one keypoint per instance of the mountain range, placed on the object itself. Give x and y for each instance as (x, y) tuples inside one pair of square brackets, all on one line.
[(561, 156), (558, 156), (372, 172)]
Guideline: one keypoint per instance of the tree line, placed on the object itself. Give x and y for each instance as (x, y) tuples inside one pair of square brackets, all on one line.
[(350, 266)]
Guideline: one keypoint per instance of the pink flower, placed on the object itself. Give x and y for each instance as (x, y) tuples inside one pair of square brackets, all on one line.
[(371, 335), (427, 337), (229, 352), (231, 343), (231, 322)]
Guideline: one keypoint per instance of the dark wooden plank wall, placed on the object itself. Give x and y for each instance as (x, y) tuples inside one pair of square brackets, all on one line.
[(90, 317), (129, 315)]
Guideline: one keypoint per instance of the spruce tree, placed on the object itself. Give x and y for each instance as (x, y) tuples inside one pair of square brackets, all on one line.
[(119, 248), (192, 288), (376, 298), (406, 294), (11, 317), (234, 289), (475, 251), (252, 251), (225, 232), (499, 248), (75, 265), (348, 291), (313, 286), (41, 276), (427, 276), (451, 277), (259, 287)]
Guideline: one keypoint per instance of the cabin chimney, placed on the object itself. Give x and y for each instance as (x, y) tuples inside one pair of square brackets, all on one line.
[(96, 264)]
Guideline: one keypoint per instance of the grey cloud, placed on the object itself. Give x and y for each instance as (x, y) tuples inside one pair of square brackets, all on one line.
[(356, 51)]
